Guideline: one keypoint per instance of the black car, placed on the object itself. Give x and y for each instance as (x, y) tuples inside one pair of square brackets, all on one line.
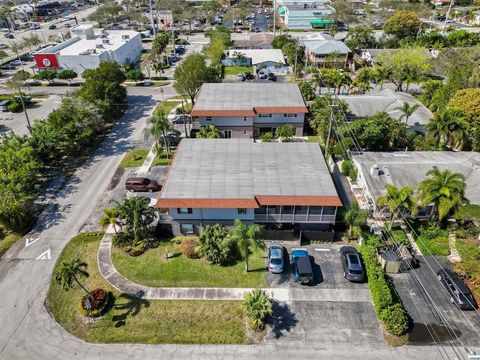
[(179, 50), (249, 75), (181, 119), (302, 266), (352, 265), (52, 27), (170, 139), (9, 36), (272, 77), (9, 67), (460, 295)]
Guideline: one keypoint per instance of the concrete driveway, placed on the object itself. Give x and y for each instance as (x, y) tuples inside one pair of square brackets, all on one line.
[(333, 310), (434, 318)]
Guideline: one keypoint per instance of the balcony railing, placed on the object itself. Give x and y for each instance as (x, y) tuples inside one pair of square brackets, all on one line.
[(294, 218)]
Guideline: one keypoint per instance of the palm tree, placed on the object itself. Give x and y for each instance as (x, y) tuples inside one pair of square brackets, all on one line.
[(246, 237), (407, 110), (320, 78), (70, 272), (354, 218), (429, 89), (448, 128), (137, 214), (443, 188), (338, 79), (110, 217), (398, 201), (209, 132), (258, 307), (381, 74), (159, 126), (17, 82)]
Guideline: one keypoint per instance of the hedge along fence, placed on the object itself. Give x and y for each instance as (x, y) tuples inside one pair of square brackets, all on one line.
[(387, 305)]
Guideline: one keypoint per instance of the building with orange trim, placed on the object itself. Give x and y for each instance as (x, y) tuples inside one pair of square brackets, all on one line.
[(283, 186), (248, 110)]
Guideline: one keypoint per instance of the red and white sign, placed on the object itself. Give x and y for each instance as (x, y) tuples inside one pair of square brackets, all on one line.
[(46, 61)]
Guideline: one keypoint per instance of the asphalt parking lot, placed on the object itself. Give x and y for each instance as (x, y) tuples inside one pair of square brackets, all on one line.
[(434, 317), (331, 310), (116, 192)]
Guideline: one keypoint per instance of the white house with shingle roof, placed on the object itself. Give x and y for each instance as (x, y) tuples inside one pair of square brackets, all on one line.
[(327, 52)]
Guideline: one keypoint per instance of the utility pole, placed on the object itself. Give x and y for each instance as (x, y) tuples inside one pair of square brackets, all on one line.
[(448, 13), (330, 123), (152, 20), (184, 120), (274, 16)]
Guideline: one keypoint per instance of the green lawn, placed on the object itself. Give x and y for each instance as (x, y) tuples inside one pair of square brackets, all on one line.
[(153, 270), (399, 235), (134, 158), (467, 212), (433, 242), (167, 106), (131, 320), (162, 159), (235, 70), (8, 241), (469, 251)]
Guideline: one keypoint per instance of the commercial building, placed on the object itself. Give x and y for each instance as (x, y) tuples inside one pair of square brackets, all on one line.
[(279, 185), (247, 110), (305, 14), (376, 169), (86, 49)]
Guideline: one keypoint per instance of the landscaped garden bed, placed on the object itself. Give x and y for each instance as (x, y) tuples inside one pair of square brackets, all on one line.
[(134, 158), (154, 269), (432, 239), (131, 320)]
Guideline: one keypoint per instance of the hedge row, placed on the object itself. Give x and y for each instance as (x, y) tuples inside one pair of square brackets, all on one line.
[(388, 307)]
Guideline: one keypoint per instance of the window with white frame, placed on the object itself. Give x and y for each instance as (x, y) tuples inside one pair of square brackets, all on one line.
[(264, 115), (290, 115)]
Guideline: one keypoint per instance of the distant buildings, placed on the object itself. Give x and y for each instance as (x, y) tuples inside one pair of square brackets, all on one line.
[(305, 14), (271, 59), (247, 110), (387, 101), (285, 187), (86, 49)]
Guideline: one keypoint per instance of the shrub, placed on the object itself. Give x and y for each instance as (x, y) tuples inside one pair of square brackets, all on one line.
[(395, 319), (187, 108), (257, 307), (137, 249), (216, 245), (189, 248), (122, 239), (98, 301), (266, 137), (346, 167), (352, 174), (15, 107)]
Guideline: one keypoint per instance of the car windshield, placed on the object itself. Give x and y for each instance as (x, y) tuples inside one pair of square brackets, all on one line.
[(146, 181), (353, 259), (276, 261)]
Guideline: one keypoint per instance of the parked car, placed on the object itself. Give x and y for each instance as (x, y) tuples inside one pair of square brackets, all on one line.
[(257, 30), (352, 265), (262, 75), (141, 184), (459, 292), (9, 66), (240, 77), (68, 25), (9, 35), (276, 260), (52, 27), (172, 58), (302, 266), (272, 77), (181, 119), (249, 75), (170, 139), (35, 26), (179, 50)]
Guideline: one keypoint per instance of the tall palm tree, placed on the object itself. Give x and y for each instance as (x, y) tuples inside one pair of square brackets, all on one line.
[(320, 78), (398, 201), (209, 132), (246, 237), (137, 214), (338, 79), (70, 272), (443, 188), (407, 110), (448, 128), (429, 89), (354, 218), (110, 217), (381, 74), (160, 125), (17, 82)]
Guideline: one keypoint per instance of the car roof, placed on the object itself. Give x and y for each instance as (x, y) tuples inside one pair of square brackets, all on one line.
[(457, 281), (304, 265), (276, 251), (348, 250), (136, 179)]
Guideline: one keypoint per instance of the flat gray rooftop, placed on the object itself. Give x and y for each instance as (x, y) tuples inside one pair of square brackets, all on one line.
[(242, 169), (410, 168), (246, 96)]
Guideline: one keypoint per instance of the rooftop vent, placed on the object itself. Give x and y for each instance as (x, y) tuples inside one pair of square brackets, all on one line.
[(99, 46), (106, 41), (375, 170), (125, 37)]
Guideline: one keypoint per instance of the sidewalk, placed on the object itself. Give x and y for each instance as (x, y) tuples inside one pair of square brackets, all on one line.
[(114, 278)]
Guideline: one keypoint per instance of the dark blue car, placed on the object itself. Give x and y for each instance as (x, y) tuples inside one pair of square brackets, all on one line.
[(302, 266)]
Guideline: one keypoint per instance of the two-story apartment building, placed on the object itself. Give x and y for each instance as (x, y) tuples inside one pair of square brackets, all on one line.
[(279, 185), (247, 110)]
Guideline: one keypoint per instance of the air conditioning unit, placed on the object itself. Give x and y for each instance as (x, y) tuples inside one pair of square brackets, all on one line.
[(125, 37), (106, 41), (99, 46)]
